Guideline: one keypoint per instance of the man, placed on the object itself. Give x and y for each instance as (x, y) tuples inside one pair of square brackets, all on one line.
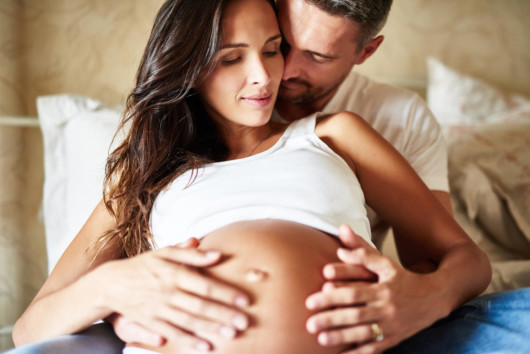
[(323, 41)]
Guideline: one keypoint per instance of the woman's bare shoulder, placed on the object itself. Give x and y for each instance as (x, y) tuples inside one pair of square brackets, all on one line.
[(341, 123), (347, 130)]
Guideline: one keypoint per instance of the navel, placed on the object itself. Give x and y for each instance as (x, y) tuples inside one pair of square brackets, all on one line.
[(255, 275)]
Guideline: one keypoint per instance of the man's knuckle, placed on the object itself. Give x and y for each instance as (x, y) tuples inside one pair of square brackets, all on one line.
[(362, 252), (341, 336), (354, 316), (392, 310), (385, 292), (324, 321)]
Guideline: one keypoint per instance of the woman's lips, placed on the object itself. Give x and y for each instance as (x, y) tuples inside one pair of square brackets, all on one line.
[(259, 101)]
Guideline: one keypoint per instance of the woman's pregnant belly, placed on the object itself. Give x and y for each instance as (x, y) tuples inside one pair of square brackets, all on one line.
[(278, 263)]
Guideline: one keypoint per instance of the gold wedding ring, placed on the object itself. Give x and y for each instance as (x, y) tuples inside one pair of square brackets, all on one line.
[(377, 331)]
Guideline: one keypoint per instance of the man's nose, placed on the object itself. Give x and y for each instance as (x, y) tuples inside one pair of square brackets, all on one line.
[(292, 66)]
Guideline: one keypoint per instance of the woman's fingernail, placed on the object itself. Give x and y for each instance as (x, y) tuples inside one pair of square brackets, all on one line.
[(213, 255), (202, 346), (227, 332), (241, 322), (241, 301)]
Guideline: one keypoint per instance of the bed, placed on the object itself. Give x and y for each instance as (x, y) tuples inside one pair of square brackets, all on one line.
[(488, 138), (487, 127)]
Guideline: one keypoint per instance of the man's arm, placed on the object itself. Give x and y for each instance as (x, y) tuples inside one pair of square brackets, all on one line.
[(376, 316)]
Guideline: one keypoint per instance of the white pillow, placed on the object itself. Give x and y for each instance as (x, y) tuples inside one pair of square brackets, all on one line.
[(489, 172), (455, 98), (488, 135), (77, 134)]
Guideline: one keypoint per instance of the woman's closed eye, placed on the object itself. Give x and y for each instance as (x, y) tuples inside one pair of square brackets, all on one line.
[(271, 53), (230, 60), (272, 49)]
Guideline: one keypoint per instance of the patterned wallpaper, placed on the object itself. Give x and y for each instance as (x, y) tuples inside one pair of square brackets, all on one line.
[(92, 47), (489, 39), (47, 47)]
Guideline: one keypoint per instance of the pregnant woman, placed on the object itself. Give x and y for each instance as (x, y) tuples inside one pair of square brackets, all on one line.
[(202, 159)]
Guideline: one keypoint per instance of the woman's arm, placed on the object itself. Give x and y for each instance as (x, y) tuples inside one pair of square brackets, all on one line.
[(69, 300), (87, 286), (395, 192), (400, 197), (413, 257)]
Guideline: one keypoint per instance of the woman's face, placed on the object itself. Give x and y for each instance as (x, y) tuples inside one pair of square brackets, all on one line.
[(242, 88)]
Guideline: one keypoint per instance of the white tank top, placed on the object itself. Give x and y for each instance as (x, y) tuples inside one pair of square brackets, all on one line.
[(298, 179)]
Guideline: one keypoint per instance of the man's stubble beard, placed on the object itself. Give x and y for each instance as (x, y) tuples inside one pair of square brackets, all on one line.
[(311, 94)]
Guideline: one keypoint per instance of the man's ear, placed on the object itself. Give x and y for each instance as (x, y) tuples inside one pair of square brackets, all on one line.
[(369, 49)]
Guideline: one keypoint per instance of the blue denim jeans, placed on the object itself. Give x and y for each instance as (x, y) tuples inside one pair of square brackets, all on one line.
[(494, 323), (97, 339)]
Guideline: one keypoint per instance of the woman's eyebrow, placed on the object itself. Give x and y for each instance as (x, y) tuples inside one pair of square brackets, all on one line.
[(273, 38), (243, 45)]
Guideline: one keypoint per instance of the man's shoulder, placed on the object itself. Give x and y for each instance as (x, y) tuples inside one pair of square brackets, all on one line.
[(359, 93), (383, 106)]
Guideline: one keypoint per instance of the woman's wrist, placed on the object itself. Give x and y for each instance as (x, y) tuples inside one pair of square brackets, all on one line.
[(98, 283)]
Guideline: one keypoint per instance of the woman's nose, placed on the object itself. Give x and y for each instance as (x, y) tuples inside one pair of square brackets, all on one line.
[(259, 73)]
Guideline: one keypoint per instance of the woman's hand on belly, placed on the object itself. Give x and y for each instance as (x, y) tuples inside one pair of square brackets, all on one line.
[(165, 291), (130, 331)]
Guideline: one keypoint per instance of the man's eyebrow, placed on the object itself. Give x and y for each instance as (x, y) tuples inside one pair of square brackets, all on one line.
[(322, 55), (244, 45)]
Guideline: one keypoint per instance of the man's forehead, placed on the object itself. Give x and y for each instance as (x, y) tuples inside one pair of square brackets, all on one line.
[(310, 28)]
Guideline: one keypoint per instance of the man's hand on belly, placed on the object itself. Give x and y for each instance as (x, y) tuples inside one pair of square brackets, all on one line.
[(376, 309)]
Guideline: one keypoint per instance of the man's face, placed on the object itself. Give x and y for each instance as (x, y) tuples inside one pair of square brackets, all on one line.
[(320, 50)]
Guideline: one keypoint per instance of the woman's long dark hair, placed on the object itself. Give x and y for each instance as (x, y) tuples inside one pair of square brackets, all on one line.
[(169, 131)]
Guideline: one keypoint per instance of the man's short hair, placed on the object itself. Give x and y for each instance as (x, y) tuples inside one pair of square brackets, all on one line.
[(371, 15)]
